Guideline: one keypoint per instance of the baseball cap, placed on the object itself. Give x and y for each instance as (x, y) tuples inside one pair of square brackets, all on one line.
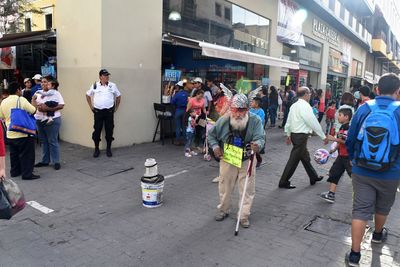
[(198, 80), (37, 77), (26, 80), (180, 83), (239, 101), (104, 72)]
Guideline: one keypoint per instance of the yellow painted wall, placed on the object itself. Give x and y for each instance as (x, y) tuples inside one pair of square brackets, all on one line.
[(38, 20)]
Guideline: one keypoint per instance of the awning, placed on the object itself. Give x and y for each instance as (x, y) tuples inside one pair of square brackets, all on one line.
[(219, 51), (27, 38)]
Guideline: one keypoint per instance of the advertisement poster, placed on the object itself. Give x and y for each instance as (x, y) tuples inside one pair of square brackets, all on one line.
[(289, 29), (8, 58)]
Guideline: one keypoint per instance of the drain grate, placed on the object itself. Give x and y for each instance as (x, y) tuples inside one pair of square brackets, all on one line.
[(329, 227)]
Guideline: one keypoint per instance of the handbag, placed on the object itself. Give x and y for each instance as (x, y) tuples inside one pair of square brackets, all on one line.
[(21, 121), (5, 206), (15, 196)]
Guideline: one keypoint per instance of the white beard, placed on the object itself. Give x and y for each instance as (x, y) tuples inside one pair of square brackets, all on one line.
[(239, 124)]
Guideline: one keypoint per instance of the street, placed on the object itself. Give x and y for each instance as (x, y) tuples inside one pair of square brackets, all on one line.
[(99, 220)]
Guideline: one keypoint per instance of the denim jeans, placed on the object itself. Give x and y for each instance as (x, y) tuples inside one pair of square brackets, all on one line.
[(179, 130), (189, 141), (272, 114), (48, 136)]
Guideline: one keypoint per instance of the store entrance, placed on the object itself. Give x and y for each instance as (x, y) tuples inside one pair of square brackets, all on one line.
[(335, 84)]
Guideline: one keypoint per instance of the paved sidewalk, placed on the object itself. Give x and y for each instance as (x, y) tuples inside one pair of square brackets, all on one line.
[(98, 218)]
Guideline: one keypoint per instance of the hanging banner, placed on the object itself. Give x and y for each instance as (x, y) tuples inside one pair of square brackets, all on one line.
[(289, 29), (8, 58)]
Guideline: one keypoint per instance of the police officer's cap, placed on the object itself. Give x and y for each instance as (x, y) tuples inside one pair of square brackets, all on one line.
[(104, 72)]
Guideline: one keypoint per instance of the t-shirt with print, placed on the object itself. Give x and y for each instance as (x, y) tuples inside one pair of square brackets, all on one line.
[(197, 105), (191, 125), (342, 134)]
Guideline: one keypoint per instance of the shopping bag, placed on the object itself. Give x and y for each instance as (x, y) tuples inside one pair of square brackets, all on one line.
[(15, 196), (5, 206), (21, 121)]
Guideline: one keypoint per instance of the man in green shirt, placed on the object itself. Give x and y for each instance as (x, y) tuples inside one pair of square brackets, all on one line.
[(240, 131)]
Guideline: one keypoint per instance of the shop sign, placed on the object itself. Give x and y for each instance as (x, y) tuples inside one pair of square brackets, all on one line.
[(289, 30), (265, 81), (369, 76), (8, 58), (325, 32), (172, 75)]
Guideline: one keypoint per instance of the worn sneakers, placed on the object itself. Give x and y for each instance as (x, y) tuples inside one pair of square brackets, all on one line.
[(220, 216), (328, 197), (245, 223), (352, 258), (378, 238)]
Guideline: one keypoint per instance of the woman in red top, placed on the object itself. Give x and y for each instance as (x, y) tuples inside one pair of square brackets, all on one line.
[(197, 103), (2, 156)]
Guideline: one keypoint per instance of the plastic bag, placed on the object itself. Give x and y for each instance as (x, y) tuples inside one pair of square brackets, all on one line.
[(15, 196), (5, 206)]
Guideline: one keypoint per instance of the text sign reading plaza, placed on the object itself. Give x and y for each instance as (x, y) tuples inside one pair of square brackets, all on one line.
[(326, 33)]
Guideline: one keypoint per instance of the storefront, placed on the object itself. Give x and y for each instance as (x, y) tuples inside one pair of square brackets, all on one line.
[(309, 58), (219, 41)]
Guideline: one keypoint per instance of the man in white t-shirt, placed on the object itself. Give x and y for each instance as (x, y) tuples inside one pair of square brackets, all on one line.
[(103, 98)]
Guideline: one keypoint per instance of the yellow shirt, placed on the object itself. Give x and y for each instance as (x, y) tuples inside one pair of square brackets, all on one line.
[(5, 112)]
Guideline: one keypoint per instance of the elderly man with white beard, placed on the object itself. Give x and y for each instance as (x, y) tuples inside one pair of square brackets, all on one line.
[(233, 135)]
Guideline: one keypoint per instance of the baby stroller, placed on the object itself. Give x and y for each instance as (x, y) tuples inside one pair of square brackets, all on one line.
[(209, 124)]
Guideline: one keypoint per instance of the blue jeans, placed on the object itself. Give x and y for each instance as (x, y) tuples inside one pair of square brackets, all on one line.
[(179, 130), (189, 141), (272, 114), (48, 136)]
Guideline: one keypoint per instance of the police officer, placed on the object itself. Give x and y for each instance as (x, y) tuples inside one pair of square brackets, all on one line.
[(103, 98)]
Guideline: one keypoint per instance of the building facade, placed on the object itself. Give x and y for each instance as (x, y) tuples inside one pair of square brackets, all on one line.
[(328, 44), (43, 21)]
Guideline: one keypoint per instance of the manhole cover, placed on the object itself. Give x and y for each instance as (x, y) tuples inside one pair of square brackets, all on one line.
[(329, 227)]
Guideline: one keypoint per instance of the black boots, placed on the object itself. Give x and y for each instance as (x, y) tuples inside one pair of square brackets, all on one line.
[(108, 152), (96, 152)]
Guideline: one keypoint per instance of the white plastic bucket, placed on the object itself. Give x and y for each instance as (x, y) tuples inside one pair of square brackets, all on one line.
[(152, 194)]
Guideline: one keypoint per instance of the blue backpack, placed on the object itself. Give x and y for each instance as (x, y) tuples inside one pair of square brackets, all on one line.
[(377, 145)]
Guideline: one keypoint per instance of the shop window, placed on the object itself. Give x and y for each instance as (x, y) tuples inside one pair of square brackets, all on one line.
[(332, 4), (218, 11), (351, 21), (49, 21), (227, 13), (342, 9), (222, 23), (356, 68), (28, 25)]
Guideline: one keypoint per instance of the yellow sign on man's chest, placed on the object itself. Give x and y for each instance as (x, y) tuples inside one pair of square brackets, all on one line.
[(233, 155)]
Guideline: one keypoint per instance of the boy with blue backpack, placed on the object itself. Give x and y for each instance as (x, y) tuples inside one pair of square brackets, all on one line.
[(373, 146)]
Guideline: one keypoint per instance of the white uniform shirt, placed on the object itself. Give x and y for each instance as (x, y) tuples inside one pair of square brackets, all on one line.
[(301, 119), (43, 99), (104, 95)]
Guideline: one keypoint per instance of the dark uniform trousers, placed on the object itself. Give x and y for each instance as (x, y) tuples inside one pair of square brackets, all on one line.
[(22, 156), (103, 117), (299, 153)]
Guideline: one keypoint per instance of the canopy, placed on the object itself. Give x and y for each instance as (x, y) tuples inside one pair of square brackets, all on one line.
[(26, 38), (219, 51)]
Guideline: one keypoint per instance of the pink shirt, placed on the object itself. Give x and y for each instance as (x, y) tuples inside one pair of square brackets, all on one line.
[(197, 105)]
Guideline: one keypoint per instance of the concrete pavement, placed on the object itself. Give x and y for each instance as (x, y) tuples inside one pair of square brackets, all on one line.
[(98, 218)]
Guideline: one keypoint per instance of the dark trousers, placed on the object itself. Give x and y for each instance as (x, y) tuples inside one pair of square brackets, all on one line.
[(103, 117), (320, 116), (299, 153), (22, 156), (340, 165)]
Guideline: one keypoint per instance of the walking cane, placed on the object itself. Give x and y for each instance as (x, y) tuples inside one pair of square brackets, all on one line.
[(248, 174)]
